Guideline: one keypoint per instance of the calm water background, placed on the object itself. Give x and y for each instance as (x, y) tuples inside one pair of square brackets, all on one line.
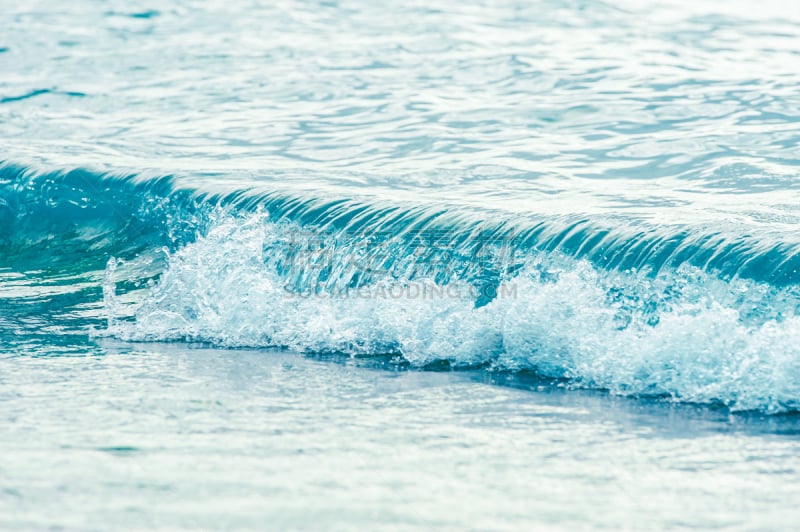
[(170, 175)]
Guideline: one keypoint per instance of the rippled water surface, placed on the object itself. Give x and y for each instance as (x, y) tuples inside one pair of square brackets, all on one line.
[(686, 108), (243, 245)]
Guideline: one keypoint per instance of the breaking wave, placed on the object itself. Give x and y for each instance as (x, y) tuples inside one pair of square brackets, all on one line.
[(682, 312)]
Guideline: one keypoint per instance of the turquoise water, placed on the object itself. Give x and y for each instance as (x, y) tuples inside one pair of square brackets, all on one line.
[(347, 264)]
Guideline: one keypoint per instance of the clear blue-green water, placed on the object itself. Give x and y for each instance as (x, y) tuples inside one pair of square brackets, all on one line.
[(336, 265)]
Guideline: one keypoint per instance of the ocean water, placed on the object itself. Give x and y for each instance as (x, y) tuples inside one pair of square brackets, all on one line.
[(344, 265)]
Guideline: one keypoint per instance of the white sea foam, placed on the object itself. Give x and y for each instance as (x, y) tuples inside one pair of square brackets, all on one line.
[(683, 333)]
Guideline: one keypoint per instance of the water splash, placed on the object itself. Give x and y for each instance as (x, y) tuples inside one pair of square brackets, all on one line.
[(689, 314), (682, 333)]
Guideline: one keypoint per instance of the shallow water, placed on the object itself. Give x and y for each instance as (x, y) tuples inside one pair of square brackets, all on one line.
[(588, 210), (177, 437)]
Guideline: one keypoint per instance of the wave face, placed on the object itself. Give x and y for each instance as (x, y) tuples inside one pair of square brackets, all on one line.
[(634, 310), (657, 314)]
